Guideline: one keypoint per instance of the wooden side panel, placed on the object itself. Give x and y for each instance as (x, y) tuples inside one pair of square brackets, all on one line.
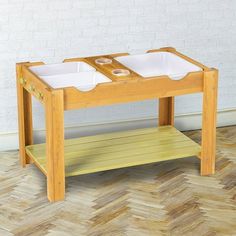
[(134, 90), (166, 111), (33, 84), (210, 85), (32, 78), (55, 145), (25, 122)]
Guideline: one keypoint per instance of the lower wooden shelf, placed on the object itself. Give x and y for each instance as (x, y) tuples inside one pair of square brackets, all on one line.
[(120, 149)]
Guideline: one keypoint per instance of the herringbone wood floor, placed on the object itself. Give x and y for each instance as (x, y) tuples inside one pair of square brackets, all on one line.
[(168, 198)]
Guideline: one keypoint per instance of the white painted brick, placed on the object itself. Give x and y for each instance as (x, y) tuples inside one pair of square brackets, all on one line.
[(83, 4), (53, 30)]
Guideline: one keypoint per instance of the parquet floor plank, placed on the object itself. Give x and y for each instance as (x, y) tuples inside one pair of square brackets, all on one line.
[(161, 199)]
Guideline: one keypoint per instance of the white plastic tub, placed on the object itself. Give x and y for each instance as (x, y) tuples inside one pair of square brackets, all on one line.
[(61, 68), (77, 74), (157, 64)]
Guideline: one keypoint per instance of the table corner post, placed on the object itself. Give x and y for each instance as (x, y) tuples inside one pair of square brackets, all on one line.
[(55, 163), (209, 116), (25, 121)]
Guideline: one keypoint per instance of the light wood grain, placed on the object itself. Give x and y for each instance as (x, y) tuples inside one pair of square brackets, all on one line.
[(97, 154), (108, 68), (122, 149), (25, 122), (209, 122), (55, 164), (133, 90), (34, 85)]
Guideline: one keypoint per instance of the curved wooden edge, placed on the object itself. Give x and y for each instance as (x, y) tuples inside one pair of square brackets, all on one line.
[(194, 74), (133, 90), (198, 74), (189, 74)]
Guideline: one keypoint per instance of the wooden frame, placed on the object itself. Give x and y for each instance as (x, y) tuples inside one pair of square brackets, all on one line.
[(52, 158)]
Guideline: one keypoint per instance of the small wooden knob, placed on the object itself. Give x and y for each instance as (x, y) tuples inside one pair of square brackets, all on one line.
[(39, 95), (32, 88), (23, 81)]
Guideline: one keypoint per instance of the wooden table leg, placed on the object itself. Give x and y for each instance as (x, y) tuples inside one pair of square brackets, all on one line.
[(210, 85), (166, 111), (55, 145), (25, 122)]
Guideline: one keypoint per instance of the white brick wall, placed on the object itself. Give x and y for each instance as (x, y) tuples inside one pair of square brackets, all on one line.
[(50, 31)]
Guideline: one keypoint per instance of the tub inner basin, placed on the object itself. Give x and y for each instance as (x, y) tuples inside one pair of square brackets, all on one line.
[(77, 74), (61, 68), (157, 64)]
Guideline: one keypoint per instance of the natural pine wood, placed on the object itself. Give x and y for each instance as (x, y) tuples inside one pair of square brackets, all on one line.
[(107, 69), (133, 90), (25, 122), (120, 90), (168, 198), (122, 149), (209, 122), (55, 164), (166, 111), (40, 88)]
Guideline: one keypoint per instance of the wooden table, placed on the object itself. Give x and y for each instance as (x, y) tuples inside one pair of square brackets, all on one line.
[(59, 158)]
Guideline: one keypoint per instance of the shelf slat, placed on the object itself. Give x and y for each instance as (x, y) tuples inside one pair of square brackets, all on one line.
[(121, 149)]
